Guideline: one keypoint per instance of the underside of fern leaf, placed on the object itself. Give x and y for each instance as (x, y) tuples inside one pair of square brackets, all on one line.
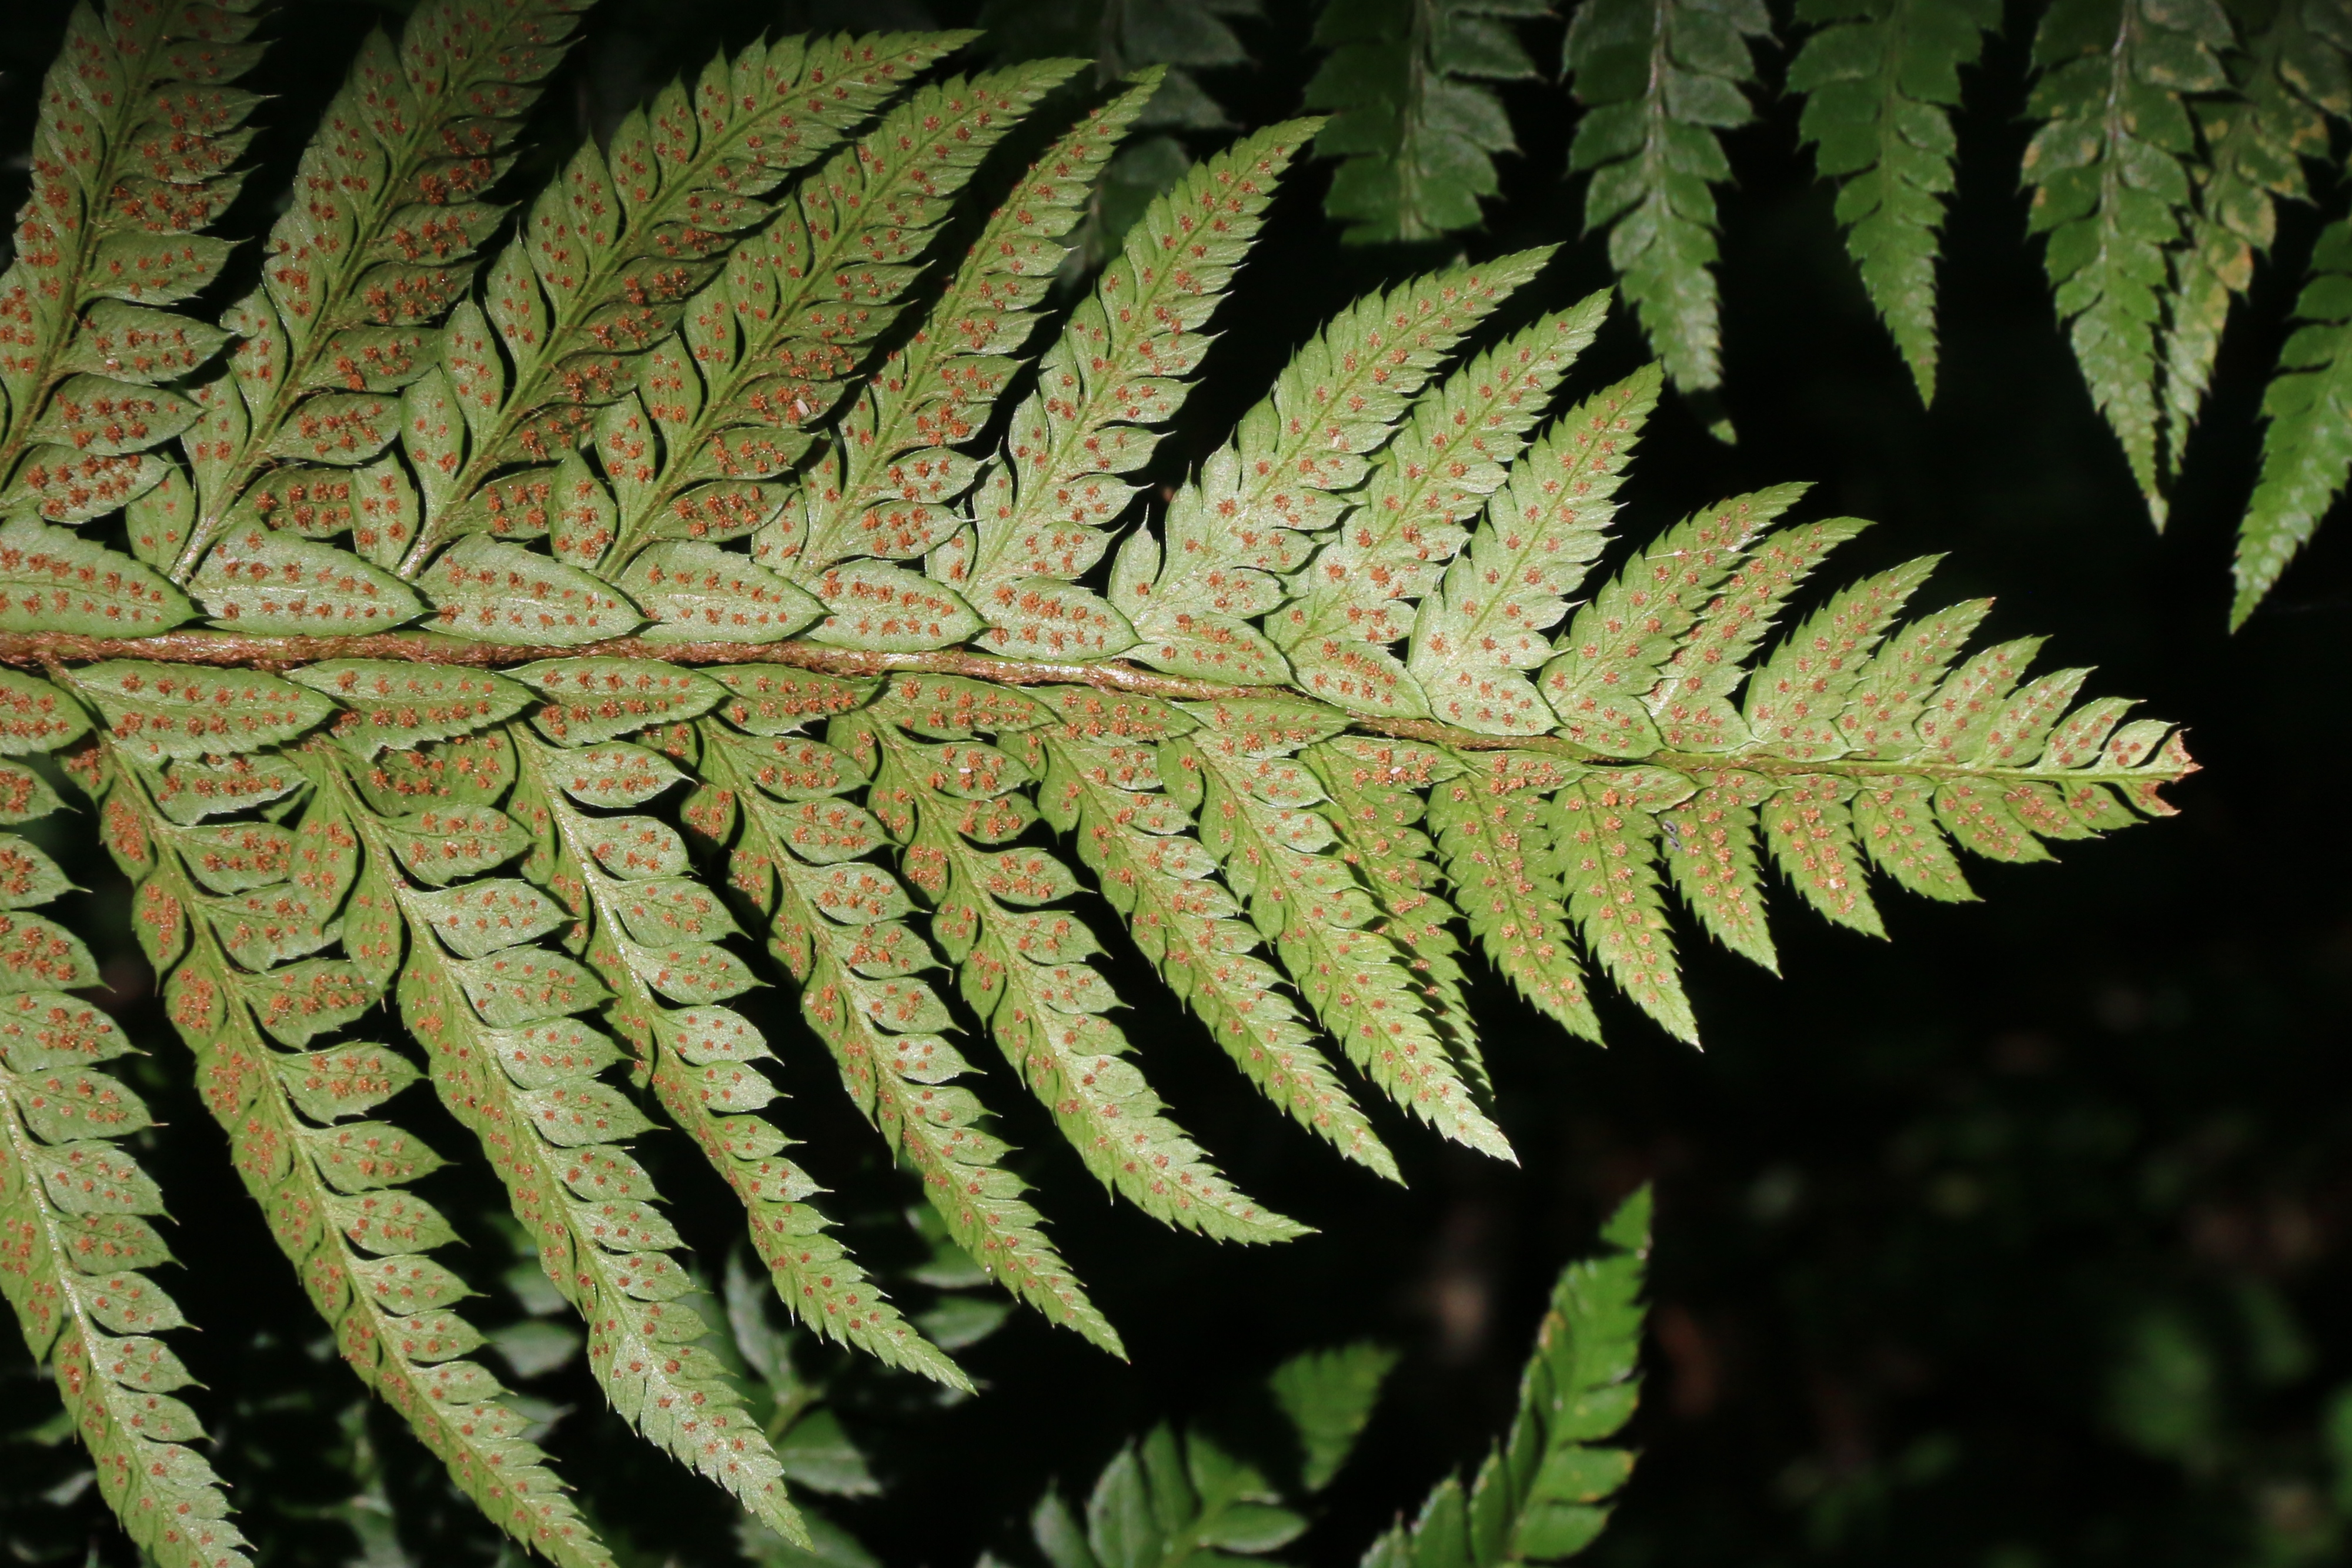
[(731, 584)]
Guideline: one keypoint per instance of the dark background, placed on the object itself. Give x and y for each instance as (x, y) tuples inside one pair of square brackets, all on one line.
[(2018, 1239)]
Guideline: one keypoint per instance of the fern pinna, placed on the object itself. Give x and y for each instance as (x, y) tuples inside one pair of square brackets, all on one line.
[(507, 659)]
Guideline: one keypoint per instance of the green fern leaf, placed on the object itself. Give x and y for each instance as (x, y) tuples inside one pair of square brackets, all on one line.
[(1544, 1494), (1021, 963), (138, 129), (651, 939), (2111, 184), (900, 471), (1417, 133), (511, 1062), (1659, 79), (72, 1246), (2307, 448), (1619, 645), (1880, 82), (1375, 788), (1258, 811), (1493, 845), (2255, 140), (696, 455), (1487, 620), (609, 255)]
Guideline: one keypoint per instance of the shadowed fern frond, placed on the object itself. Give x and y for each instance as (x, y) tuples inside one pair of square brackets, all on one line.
[(777, 609)]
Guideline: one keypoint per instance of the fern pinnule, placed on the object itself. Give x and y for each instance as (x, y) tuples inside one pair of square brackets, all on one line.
[(897, 458), (1492, 841), (1097, 761), (132, 159), (1659, 79), (509, 1058), (1256, 510), (1618, 646), (1239, 775), (729, 405), (2306, 451), (607, 258), (1111, 375), (1417, 134), (1880, 81), (1375, 785)]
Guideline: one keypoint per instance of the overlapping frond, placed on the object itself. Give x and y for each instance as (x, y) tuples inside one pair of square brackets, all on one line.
[(2290, 78), (2110, 172), (1880, 81), (237, 915), (1659, 80), (1545, 1492), (779, 652), (1417, 132), (2307, 448)]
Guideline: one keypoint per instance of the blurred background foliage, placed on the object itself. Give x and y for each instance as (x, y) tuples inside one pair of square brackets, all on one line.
[(2020, 1241)]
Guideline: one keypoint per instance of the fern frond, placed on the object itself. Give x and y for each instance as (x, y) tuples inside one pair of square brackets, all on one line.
[(2110, 172), (231, 915), (838, 926), (2288, 79), (359, 273), (1253, 514), (1880, 81), (1417, 133), (1098, 764), (652, 936), (1021, 963), (1544, 1493), (73, 1241), (608, 258), (1658, 79), (1355, 597), (1237, 774), (1042, 515), (132, 158)]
